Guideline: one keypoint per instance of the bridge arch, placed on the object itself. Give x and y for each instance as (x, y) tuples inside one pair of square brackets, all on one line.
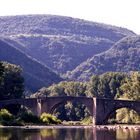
[(105, 107), (99, 108), (51, 103), (114, 111), (32, 104)]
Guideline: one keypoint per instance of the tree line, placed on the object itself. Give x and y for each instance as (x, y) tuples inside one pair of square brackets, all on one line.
[(113, 85), (11, 81)]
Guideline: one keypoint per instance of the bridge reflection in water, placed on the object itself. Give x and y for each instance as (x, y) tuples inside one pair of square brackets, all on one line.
[(99, 108), (69, 134)]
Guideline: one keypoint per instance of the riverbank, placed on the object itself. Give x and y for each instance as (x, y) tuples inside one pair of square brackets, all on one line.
[(98, 127)]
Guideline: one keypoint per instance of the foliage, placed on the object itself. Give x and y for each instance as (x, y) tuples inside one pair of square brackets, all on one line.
[(106, 85), (5, 115), (123, 56), (61, 43), (26, 117), (1, 72), (6, 118), (63, 89), (36, 75), (67, 110), (87, 121), (113, 85), (12, 85), (71, 111), (130, 89), (125, 115), (49, 119)]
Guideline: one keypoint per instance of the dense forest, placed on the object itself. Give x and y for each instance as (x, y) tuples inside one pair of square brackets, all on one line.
[(45, 55), (36, 75), (59, 43), (123, 56), (11, 81), (112, 85)]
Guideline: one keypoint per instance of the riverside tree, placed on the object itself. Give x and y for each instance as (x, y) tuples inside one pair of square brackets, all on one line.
[(12, 83)]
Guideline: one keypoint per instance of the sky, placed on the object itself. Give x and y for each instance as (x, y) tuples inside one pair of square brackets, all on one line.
[(122, 13)]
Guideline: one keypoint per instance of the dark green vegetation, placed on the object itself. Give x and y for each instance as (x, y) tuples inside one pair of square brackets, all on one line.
[(49, 24), (60, 43), (48, 48), (60, 53), (122, 57), (113, 85), (36, 75), (12, 82), (70, 110), (26, 118)]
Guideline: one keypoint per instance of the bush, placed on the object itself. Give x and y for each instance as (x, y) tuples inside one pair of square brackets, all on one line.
[(6, 115), (87, 121), (49, 119)]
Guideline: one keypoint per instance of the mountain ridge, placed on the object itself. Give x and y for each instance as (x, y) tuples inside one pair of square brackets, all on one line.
[(33, 79), (123, 56), (61, 43)]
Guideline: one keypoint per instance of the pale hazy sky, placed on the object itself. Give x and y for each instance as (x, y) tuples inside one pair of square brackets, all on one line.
[(124, 13)]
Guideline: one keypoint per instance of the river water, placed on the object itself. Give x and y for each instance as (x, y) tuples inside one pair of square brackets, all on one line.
[(68, 134)]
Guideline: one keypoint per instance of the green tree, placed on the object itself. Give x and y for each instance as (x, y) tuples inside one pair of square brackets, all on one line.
[(68, 110), (63, 89), (130, 89), (12, 85), (1, 72), (105, 85), (1, 69)]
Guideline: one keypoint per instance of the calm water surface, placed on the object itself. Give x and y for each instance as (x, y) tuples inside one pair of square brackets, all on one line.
[(68, 134)]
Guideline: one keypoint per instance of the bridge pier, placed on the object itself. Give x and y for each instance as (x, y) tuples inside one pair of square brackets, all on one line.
[(100, 109), (39, 107), (34, 105)]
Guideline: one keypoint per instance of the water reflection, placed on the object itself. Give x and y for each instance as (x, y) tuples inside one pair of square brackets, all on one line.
[(69, 134)]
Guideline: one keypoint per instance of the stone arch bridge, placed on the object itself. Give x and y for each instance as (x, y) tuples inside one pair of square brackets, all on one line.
[(100, 109)]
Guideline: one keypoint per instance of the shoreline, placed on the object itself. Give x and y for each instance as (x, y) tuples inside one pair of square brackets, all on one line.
[(98, 127)]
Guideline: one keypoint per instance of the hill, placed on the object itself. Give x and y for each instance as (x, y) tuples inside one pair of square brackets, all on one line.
[(123, 56), (61, 43), (36, 75), (58, 25), (61, 53)]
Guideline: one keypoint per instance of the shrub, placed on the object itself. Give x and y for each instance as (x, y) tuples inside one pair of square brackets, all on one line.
[(49, 119), (86, 121), (6, 115)]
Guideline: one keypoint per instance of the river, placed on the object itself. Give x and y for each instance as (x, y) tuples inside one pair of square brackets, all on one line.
[(68, 134)]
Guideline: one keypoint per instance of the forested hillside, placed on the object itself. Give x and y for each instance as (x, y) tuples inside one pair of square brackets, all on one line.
[(61, 53), (58, 25), (44, 45), (61, 43), (47, 47), (122, 57), (36, 75)]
